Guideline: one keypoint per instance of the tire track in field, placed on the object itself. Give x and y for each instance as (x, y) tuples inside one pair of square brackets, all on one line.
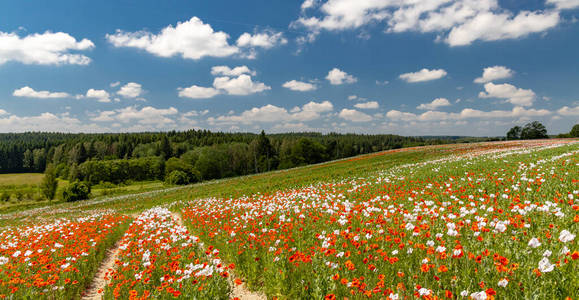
[(95, 290), (98, 284), (237, 291)]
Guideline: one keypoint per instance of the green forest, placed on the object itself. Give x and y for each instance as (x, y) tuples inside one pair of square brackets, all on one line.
[(184, 157)]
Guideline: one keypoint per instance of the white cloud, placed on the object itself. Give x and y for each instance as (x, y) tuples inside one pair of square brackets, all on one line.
[(435, 104), (101, 95), (227, 71), (318, 107), (266, 40), (337, 77), (195, 113), (3, 112), (242, 85), (399, 115), (491, 27), (271, 113), (43, 49), (354, 115), (467, 113), (115, 84), (457, 22), (307, 4), (568, 111), (512, 94), (423, 75), (29, 92), (494, 73), (146, 116), (46, 122), (564, 4), (382, 82), (131, 90), (191, 39), (198, 92), (367, 105), (300, 86)]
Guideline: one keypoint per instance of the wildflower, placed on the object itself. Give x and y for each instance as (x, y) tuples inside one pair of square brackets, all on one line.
[(566, 236), (545, 266), (534, 243), (503, 282)]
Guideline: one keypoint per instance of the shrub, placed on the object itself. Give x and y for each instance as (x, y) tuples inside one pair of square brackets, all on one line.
[(177, 178), (76, 191), (49, 183), (4, 197)]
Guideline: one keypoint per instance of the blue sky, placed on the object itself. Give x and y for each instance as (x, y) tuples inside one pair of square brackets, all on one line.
[(430, 67)]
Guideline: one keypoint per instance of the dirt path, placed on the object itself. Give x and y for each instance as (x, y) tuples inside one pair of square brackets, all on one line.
[(99, 282), (238, 291)]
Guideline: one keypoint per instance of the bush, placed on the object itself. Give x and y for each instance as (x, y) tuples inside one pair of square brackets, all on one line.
[(4, 197), (76, 191), (177, 178), (49, 183)]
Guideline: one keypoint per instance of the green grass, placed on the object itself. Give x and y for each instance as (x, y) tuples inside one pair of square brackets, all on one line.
[(20, 179)]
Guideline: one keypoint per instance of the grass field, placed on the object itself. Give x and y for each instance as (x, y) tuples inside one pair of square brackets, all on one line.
[(20, 179), (458, 221)]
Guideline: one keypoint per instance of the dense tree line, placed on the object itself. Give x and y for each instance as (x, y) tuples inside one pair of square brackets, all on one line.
[(192, 155)]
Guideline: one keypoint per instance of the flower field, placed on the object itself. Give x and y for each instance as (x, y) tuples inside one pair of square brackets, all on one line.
[(55, 260), (479, 221), (497, 224), (159, 259)]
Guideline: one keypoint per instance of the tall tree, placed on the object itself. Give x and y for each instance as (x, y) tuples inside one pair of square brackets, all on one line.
[(574, 131), (534, 130), (514, 133), (49, 183)]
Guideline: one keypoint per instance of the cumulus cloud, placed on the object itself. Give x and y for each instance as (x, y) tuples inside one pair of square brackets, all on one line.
[(491, 27), (307, 4), (198, 92), (512, 94), (29, 92), (457, 22), (564, 4), (266, 40), (242, 85), (46, 122), (423, 75), (494, 73), (568, 111), (270, 113), (299, 86), (338, 77), (43, 49), (353, 115), (101, 95), (145, 116), (3, 112), (367, 105), (435, 104), (131, 90), (191, 39), (467, 113), (227, 71)]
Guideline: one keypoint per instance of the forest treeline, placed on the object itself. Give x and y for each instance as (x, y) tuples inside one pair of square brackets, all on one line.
[(189, 156)]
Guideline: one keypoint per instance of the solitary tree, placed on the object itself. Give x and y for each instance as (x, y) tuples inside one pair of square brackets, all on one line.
[(575, 131), (534, 130), (49, 183), (514, 133)]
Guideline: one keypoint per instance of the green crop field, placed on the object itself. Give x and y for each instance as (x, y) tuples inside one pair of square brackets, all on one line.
[(487, 220)]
